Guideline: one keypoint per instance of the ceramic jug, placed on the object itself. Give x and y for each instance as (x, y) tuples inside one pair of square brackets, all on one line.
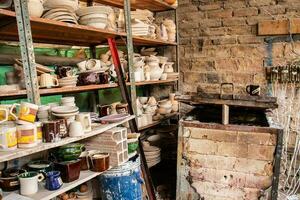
[(156, 70), (53, 180), (85, 120), (169, 67)]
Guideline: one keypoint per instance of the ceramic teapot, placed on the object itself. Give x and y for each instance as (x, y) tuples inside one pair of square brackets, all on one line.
[(156, 70), (169, 67)]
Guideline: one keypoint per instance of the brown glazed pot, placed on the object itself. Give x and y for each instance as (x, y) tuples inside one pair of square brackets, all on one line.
[(70, 170), (84, 165), (99, 162), (9, 180)]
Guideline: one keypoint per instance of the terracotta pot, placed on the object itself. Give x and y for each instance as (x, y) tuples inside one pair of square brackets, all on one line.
[(70, 170), (9, 180), (99, 162)]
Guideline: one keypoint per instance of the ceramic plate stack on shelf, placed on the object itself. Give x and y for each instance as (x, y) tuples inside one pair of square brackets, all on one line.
[(63, 11), (96, 16), (68, 81), (142, 23), (152, 154), (65, 112)]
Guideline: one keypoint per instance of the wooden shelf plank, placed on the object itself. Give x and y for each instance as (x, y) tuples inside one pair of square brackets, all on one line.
[(153, 5), (155, 123), (77, 89), (55, 32), (44, 194), (279, 27), (6, 156)]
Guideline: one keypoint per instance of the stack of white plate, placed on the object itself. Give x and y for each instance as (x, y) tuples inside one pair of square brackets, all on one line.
[(61, 10), (65, 112), (140, 28), (68, 81), (152, 154), (96, 16)]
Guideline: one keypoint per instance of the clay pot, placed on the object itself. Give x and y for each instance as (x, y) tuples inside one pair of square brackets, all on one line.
[(170, 2), (35, 8)]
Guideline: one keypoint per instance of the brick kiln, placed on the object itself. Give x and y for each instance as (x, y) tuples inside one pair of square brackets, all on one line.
[(228, 155)]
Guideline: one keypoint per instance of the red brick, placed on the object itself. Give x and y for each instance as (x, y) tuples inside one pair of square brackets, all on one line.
[(220, 13), (234, 4), (234, 21), (272, 10), (206, 147), (232, 149), (211, 6), (261, 2), (253, 181), (213, 134), (250, 39), (243, 12), (240, 30), (256, 138), (261, 152), (224, 40), (210, 23), (215, 31), (258, 167)]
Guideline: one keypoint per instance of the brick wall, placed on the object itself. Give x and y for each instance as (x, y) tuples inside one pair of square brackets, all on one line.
[(228, 165), (218, 41)]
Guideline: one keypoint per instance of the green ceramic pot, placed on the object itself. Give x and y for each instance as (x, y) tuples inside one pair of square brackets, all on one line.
[(70, 152), (133, 144)]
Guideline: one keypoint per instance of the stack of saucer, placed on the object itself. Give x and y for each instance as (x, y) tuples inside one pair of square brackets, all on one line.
[(152, 154), (68, 101), (43, 113), (68, 81)]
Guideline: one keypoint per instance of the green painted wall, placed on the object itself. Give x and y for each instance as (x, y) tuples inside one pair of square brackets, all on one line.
[(82, 100)]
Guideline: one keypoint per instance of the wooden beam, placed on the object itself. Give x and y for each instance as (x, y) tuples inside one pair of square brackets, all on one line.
[(279, 27)]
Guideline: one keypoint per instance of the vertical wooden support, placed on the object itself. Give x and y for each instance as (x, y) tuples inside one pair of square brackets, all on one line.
[(225, 114)]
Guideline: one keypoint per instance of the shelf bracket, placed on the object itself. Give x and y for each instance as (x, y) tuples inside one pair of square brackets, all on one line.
[(27, 51)]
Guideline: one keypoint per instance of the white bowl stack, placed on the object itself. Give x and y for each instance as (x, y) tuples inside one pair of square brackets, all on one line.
[(61, 10), (43, 113), (68, 81), (96, 16), (65, 112)]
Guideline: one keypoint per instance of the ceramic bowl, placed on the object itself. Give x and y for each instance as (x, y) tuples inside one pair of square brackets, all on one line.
[(164, 111), (143, 100), (70, 5), (93, 10)]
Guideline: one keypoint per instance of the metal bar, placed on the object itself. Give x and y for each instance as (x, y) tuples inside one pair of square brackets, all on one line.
[(127, 11), (177, 47), (278, 153), (27, 51)]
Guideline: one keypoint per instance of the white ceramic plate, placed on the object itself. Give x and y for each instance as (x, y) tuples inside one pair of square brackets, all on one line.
[(94, 15), (93, 20), (114, 118), (93, 10), (64, 109), (65, 115), (98, 25)]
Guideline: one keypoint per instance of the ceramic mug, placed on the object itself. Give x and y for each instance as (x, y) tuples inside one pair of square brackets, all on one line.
[(50, 131), (8, 112), (48, 81), (28, 112), (104, 110), (53, 180), (27, 136), (253, 90), (164, 76), (85, 120), (39, 132), (8, 138), (29, 182), (75, 129), (65, 71)]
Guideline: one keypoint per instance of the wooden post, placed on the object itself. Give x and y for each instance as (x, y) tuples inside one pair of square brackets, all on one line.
[(225, 114)]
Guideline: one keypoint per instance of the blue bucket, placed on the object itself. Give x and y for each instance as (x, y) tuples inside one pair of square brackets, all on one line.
[(122, 183)]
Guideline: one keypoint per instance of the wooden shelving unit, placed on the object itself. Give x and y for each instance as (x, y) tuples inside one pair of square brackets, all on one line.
[(155, 123), (97, 129), (153, 5), (55, 32), (78, 89), (45, 194)]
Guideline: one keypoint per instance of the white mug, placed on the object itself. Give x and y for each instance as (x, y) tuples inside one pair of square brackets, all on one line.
[(48, 81), (75, 129), (29, 182), (8, 137), (27, 136), (85, 120)]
